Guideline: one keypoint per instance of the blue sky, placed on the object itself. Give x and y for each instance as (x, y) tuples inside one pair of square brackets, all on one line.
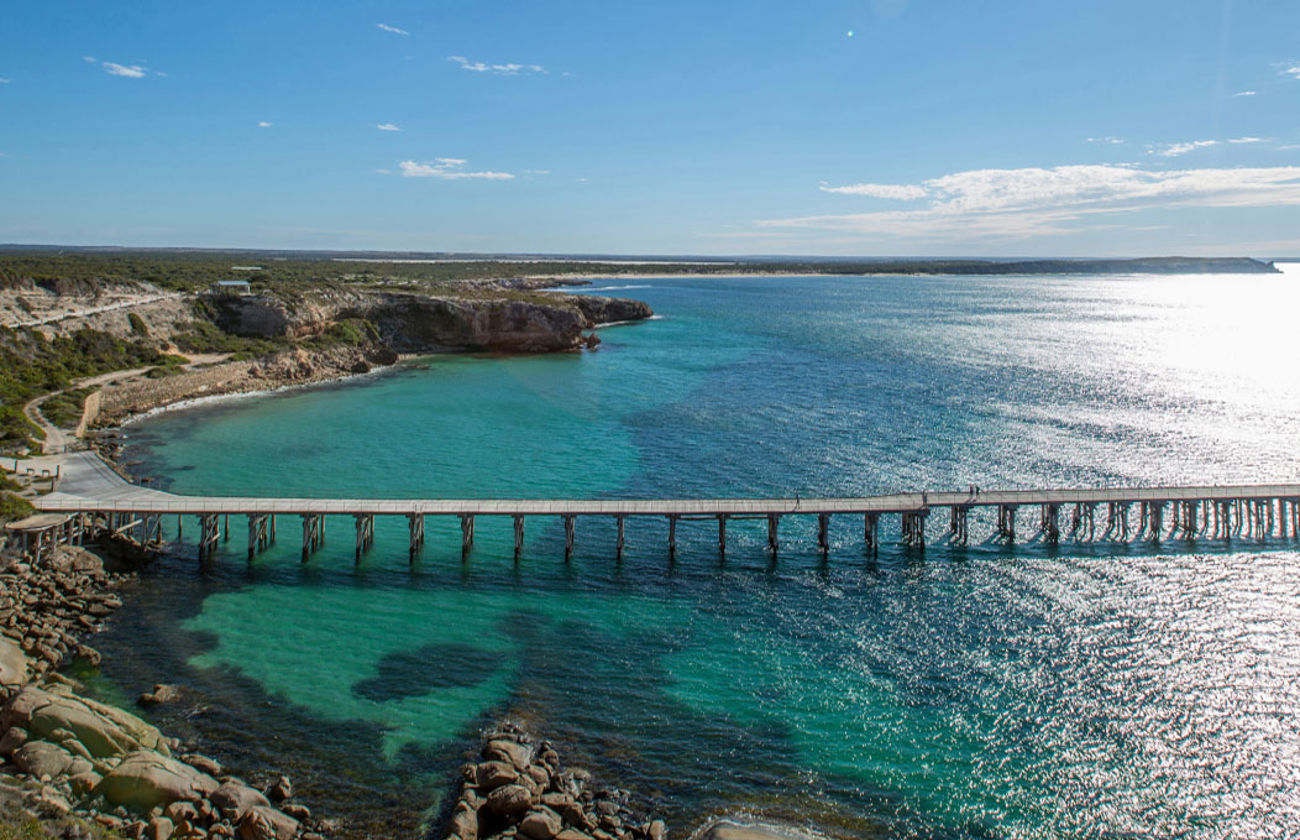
[(873, 127)]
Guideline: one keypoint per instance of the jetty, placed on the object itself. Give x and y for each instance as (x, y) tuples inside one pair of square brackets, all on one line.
[(93, 498)]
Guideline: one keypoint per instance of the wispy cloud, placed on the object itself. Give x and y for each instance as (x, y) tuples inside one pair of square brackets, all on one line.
[(1177, 149), (1291, 69), (902, 192), (1240, 140), (448, 169), (388, 127), (160, 74), (3, 80), (265, 124), (130, 71), (89, 58), (1244, 93), (1022, 203), (1114, 141), (495, 69), (392, 29)]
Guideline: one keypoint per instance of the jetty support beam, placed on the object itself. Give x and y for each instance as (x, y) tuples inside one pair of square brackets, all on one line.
[(621, 534), (722, 535), (568, 536), (823, 536), (415, 524), (672, 534), (466, 533), (773, 523), (519, 535)]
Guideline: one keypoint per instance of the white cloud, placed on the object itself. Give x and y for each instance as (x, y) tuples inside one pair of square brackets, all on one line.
[(903, 192), (130, 71), (392, 29), (388, 127), (1240, 140), (495, 69), (1176, 149), (1244, 93), (89, 58), (264, 124), (448, 169), (384, 171), (3, 80), (1292, 70), (537, 172), (1114, 141), (1021, 203), (160, 73)]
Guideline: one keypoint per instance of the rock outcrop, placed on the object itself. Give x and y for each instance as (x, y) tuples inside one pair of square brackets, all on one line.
[(412, 322), (520, 789)]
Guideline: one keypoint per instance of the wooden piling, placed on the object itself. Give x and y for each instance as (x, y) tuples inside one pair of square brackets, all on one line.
[(519, 536), (568, 536), (773, 522), (722, 535), (672, 534), (823, 536), (466, 533), (619, 541)]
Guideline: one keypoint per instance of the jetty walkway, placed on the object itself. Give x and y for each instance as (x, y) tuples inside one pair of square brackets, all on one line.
[(91, 496)]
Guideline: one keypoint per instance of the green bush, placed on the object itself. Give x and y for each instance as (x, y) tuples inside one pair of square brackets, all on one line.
[(14, 507), (138, 326)]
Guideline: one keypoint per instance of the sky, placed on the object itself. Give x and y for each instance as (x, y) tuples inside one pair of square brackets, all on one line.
[(863, 128)]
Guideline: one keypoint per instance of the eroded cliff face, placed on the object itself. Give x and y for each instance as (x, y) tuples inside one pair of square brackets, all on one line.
[(412, 323)]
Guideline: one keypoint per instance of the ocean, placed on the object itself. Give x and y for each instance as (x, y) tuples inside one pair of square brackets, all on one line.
[(1070, 691)]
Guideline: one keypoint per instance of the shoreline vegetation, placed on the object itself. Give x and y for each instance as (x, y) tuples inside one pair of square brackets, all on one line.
[(90, 339)]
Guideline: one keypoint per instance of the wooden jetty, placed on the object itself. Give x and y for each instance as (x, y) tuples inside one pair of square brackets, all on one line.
[(95, 497)]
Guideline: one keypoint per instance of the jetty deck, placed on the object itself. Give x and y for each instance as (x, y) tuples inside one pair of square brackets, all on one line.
[(90, 488)]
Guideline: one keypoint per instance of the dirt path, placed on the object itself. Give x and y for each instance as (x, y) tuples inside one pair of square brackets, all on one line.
[(57, 440)]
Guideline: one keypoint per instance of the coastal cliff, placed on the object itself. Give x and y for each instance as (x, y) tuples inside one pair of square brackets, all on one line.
[(411, 322)]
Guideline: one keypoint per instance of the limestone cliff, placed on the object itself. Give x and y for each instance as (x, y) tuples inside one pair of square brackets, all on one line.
[(412, 322)]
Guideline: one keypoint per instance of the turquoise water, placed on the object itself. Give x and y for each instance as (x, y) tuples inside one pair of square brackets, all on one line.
[(1081, 691)]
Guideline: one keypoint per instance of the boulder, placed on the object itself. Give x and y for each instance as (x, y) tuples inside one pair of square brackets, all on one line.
[(463, 824), (491, 775), (103, 730), (508, 801), (14, 665), (203, 764), (160, 828), (14, 737), (162, 693), (262, 822), (504, 749), (541, 823), (727, 830), (42, 760), (144, 780), (233, 799), (281, 790)]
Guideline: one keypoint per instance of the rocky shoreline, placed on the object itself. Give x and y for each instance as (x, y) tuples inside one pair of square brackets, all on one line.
[(79, 766)]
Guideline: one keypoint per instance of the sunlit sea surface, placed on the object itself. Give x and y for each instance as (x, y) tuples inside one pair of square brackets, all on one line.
[(1082, 691)]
